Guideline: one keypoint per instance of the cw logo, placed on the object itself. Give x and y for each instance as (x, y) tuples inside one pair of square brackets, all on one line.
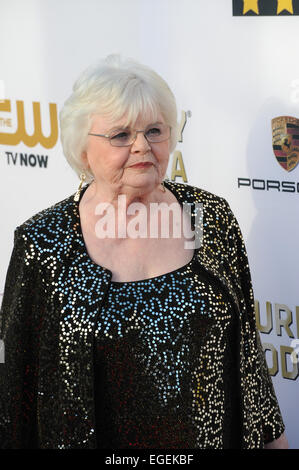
[(21, 135)]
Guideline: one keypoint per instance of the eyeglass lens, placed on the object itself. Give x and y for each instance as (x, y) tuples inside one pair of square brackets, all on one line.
[(155, 133)]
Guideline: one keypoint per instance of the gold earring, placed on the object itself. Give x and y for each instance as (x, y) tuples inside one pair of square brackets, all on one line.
[(163, 187), (82, 179)]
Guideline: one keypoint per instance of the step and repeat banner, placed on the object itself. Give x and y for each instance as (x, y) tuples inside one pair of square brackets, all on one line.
[(234, 68)]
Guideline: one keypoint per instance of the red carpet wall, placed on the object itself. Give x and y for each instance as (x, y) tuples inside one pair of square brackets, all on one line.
[(234, 67)]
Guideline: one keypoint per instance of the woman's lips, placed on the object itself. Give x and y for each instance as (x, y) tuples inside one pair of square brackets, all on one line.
[(141, 165)]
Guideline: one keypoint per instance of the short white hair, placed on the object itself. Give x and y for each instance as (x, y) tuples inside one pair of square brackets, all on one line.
[(113, 88)]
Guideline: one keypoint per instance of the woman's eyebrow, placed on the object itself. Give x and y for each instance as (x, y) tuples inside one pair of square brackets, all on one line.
[(118, 128), (153, 124), (124, 128)]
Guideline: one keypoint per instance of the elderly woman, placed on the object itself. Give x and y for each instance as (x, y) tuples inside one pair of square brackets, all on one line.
[(114, 340)]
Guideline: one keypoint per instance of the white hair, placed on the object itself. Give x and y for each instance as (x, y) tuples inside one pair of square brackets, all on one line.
[(114, 88)]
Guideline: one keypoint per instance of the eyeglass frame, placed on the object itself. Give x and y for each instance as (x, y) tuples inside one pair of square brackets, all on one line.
[(108, 136)]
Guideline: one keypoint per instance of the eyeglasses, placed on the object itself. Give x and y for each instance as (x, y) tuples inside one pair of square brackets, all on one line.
[(125, 137)]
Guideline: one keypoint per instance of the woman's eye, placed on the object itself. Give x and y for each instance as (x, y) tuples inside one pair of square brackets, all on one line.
[(120, 136), (154, 131)]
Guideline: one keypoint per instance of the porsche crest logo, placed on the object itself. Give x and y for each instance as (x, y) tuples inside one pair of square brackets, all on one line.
[(285, 141)]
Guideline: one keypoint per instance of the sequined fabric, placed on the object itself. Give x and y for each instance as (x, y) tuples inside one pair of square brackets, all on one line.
[(154, 385), (53, 297)]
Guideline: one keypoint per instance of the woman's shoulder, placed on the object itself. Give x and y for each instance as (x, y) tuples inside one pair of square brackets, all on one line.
[(190, 193), (217, 213), (51, 219)]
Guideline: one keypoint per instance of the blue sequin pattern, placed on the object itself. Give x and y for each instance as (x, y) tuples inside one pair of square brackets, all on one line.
[(162, 322)]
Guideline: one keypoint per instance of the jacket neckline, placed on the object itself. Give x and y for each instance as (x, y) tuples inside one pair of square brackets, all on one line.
[(203, 256), (79, 232)]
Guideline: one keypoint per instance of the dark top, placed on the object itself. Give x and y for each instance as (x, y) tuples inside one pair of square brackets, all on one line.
[(166, 364)]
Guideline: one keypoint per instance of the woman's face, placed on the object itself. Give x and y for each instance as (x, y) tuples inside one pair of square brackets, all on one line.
[(114, 166)]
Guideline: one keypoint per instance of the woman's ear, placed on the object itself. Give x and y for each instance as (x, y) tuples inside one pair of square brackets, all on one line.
[(85, 159)]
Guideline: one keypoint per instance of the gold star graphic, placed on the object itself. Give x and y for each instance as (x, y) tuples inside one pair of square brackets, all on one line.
[(250, 5), (285, 5)]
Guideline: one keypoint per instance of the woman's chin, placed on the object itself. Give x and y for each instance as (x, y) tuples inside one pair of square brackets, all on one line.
[(143, 181)]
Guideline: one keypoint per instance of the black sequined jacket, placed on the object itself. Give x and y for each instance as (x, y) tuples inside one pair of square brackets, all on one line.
[(53, 293)]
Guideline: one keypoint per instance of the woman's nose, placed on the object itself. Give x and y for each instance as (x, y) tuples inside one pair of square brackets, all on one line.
[(140, 144)]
